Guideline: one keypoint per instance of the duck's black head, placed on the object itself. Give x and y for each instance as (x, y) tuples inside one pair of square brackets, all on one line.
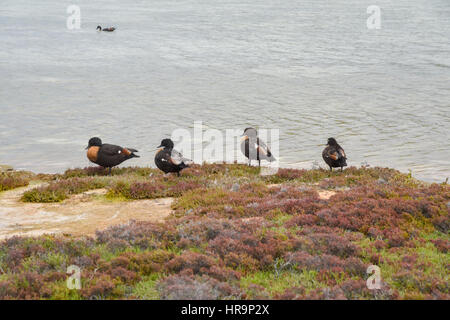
[(251, 132), (166, 143), (332, 142), (99, 28), (94, 142)]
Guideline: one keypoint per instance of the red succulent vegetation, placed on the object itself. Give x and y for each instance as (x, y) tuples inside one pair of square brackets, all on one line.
[(235, 235)]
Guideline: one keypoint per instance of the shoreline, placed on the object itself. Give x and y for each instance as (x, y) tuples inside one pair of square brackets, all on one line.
[(430, 180)]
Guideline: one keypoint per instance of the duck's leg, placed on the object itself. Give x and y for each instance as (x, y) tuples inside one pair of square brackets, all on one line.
[(331, 168), (342, 169), (249, 162), (178, 173), (259, 163), (109, 171)]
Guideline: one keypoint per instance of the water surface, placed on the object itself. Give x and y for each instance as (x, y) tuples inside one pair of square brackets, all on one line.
[(310, 68)]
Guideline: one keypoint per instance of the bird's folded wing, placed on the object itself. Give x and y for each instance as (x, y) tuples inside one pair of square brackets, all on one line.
[(333, 154), (342, 153), (262, 151), (263, 148), (110, 149), (177, 158)]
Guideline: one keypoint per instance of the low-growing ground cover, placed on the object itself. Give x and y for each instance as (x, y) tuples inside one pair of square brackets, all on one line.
[(235, 234), (14, 179)]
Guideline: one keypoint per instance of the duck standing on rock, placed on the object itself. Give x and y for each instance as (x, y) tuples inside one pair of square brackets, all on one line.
[(110, 29), (334, 155), (108, 155), (254, 148), (169, 160)]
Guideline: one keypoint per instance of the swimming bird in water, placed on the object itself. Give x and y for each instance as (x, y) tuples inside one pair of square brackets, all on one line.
[(169, 160), (334, 155), (108, 155), (254, 148), (110, 29)]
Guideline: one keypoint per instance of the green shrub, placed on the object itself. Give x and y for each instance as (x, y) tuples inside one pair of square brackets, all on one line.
[(57, 191)]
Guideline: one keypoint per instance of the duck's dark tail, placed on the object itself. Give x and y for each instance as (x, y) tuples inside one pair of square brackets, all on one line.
[(183, 165), (270, 156), (132, 153)]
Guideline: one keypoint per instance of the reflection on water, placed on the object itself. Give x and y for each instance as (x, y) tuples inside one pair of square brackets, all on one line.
[(310, 68)]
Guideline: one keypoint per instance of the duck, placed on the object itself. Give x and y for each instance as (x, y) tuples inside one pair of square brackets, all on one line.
[(254, 148), (110, 29), (334, 155), (108, 155), (168, 160)]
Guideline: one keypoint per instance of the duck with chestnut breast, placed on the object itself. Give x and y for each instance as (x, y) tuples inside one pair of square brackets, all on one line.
[(167, 159), (333, 155), (108, 155), (110, 29), (254, 148)]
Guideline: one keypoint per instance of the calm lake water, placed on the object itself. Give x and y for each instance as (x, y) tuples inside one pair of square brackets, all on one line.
[(310, 68)]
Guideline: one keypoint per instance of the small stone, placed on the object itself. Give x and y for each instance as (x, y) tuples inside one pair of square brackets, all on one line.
[(189, 211), (381, 181), (235, 187)]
